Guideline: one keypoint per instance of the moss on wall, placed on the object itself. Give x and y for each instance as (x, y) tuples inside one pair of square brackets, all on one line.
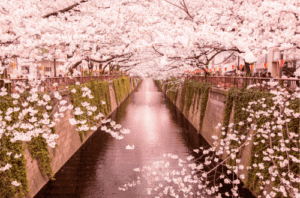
[(203, 91), (228, 109), (188, 91), (37, 147), (171, 87), (159, 83), (191, 87), (121, 88), (241, 99), (236, 102), (17, 172), (100, 93)]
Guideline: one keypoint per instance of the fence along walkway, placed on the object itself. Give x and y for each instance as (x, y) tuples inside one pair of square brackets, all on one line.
[(62, 82), (239, 82), (221, 81)]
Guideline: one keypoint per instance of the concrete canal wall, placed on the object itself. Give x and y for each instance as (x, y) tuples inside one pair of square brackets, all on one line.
[(213, 114), (206, 106), (68, 142)]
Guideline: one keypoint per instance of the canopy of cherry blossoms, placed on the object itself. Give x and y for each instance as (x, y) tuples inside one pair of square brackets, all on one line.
[(145, 36)]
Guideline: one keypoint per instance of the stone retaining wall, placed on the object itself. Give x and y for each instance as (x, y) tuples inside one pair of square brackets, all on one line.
[(68, 143), (214, 114)]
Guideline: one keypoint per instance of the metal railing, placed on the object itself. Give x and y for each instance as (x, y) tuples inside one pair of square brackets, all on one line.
[(62, 82), (65, 81), (240, 82)]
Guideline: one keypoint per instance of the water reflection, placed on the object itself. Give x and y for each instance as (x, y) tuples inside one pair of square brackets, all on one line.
[(103, 164)]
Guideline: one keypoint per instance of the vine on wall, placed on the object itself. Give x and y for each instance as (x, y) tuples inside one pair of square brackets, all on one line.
[(171, 87), (204, 91), (96, 93), (121, 87), (269, 122), (228, 109), (159, 83), (189, 89), (242, 98), (257, 156), (38, 149), (13, 152), (188, 96), (17, 172), (183, 95), (28, 118)]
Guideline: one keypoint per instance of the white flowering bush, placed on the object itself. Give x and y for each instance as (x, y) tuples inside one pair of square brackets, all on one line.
[(91, 102), (27, 119), (91, 105)]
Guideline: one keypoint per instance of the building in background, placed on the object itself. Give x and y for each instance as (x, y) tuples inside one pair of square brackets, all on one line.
[(283, 62), (277, 62), (221, 64), (47, 68)]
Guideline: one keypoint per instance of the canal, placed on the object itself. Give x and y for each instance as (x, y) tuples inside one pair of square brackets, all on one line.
[(104, 168)]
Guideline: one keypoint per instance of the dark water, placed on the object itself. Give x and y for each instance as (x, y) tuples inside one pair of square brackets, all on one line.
[(102, 164)]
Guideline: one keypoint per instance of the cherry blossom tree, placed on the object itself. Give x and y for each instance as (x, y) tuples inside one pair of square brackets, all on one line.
[(158, 37)]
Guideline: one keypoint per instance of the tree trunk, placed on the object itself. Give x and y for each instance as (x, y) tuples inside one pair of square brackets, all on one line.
[(5, 73), (247, 69), (111, 69), (91, 66), (100, 69), (54, 67), (105, 67)]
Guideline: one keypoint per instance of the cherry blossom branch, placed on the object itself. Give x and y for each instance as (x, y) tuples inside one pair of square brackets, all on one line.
[(184, 8), (243, 144), (65, 9), (9, 42), (160, 53)]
